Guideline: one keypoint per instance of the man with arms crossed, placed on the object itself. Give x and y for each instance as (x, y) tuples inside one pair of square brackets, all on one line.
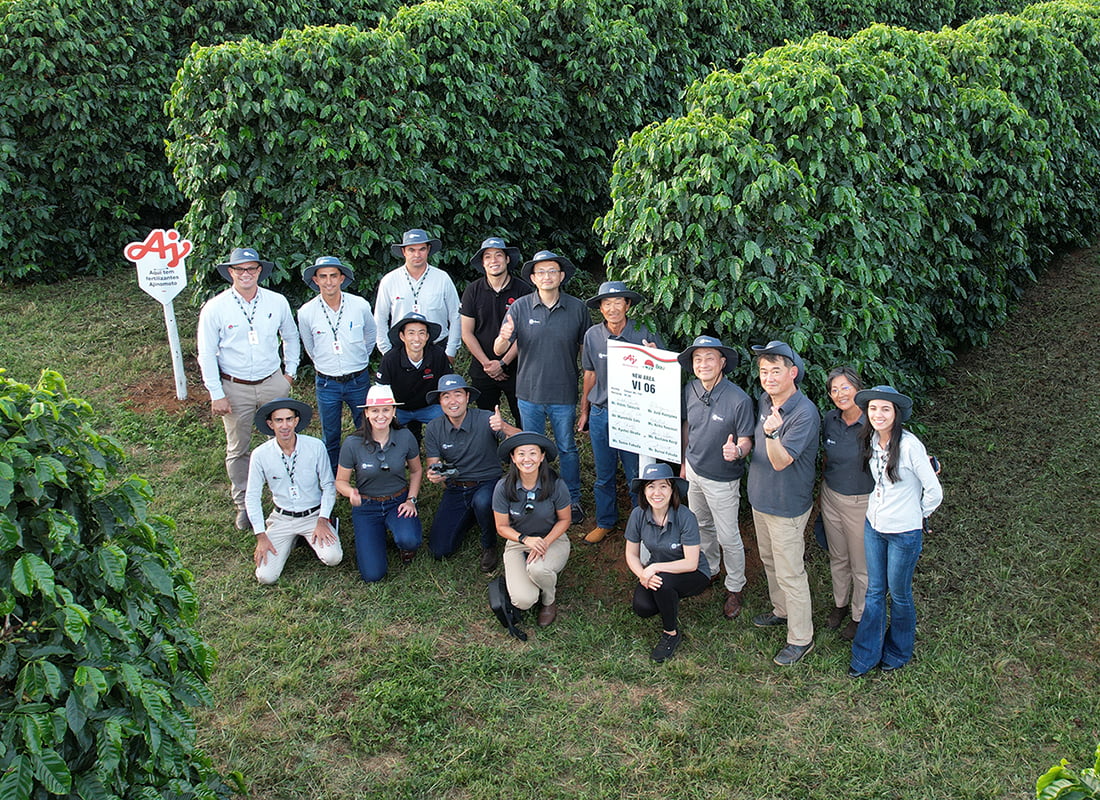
[(718, 425), (296, 469), (238, 353), (781, 491), (337, 332)]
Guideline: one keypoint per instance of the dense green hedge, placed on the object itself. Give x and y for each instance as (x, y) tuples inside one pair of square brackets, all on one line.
[(878, 200), (82, 123)]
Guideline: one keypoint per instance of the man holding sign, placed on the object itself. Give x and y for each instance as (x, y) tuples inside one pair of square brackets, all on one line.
[(614, 301), (718, 426), (238, 351)]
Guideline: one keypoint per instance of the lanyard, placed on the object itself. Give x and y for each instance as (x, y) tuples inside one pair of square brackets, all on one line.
[(254, 305), (289, 467), (415, 289), (334, 325)]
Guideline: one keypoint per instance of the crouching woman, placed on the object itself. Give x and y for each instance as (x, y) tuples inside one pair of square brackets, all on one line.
[(906, 492), (676, 566), (531, 507)]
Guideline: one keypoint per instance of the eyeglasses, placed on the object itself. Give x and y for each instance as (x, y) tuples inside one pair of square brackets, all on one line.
[(256, 268), (529, 506), (542, 273), (840, 389)]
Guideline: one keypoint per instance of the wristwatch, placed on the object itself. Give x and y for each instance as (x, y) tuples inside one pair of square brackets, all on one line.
[(412, 499), (521, 537), (773, 435)]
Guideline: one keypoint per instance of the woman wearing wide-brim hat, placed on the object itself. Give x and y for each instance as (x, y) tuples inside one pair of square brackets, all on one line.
[(906, 491), (676, 566), (531, 507), (374, 462)]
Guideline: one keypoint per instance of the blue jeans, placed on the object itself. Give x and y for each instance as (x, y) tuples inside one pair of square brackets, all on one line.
[(891, 561), (414, 420), (563, 424), (606, 459), (459, 508), (370, 520), (332, 396)]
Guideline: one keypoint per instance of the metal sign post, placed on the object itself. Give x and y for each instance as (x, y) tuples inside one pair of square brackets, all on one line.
[(162, 274)]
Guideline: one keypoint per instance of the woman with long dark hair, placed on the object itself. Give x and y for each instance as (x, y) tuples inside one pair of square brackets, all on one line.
[(676, 566), (377, 456), (531, 507), (906, 491), (845, 487)]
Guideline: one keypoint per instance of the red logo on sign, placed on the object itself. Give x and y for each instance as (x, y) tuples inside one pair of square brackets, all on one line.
[(172, 251)]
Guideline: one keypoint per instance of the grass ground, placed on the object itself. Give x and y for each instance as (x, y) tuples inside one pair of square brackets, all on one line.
[(328, 688)]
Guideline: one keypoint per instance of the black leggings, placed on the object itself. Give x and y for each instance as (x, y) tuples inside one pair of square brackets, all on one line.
[(666, 600)]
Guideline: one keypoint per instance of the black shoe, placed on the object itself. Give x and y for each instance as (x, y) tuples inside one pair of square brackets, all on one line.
[(792, 654), (836, 616), (855, 673), (578, 513), (849, 632), (888, 668), (768, 620), (666, 646), (488, 559)]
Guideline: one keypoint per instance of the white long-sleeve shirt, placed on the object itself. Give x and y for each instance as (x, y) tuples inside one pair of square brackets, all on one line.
[(307, 469), (352, 326), (897, 507), (434, 296)]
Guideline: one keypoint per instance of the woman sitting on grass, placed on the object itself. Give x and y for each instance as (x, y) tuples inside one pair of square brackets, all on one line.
[(531, 507), (676, 566), (906, 491), (377, 455)]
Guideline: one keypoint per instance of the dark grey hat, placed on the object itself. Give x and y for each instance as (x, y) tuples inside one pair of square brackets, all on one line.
[(242, 255), (504, 450), (659, 472), (416, 236), (304, 412), (434, 328), (327, 261), (548, 255), (778, 348), (613, 289), (902, 403), (732, 359), (448, 383), (495, 242)]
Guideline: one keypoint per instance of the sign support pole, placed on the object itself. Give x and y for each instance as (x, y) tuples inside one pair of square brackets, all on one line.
[(177, 351)]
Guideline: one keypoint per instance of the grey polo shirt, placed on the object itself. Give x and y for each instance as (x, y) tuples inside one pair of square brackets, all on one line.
[(594, 357), (844, 471), (666, 543), (368, 461), (788, 492), (541, 518), (709, 426), (549, 341), (472, 446)]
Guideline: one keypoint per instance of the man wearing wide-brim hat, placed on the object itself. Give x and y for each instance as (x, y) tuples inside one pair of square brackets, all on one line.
[(337, 332), (718, 420), (412, 368), (614, 301), (238, 352), (417, 287), (548, 327), (781, 491), (484, 304), (461, 455), (296, 469)]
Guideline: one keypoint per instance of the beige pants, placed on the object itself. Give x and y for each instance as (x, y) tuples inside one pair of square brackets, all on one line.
[(244, 401), (782, 542), (527, 581), (283, 531), (844, 516)]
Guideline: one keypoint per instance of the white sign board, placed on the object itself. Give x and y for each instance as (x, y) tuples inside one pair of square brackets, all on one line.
[(643, 400), (160, 263), (162, 273)]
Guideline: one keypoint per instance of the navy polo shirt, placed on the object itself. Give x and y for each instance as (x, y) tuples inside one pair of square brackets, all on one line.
[(666, 543), (709, 426), (541, 518), (472, 446), (844, 472), (788, 492), (363, 459)]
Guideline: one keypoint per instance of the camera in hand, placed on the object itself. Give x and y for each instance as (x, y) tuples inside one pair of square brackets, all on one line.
[(444, 468)]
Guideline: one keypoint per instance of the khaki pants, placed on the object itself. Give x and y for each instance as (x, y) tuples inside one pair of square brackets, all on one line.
[(283, 531), (244, 401), (844, 516), (526, 581), (782, 542), (716, 506)]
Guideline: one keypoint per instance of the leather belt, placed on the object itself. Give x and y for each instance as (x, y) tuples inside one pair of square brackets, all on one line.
[(242, 381), (343, 378), (297, 514), (463, 484), (387, 497)]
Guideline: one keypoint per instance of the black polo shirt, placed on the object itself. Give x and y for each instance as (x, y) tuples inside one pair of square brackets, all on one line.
[(411, 384), (487, 307), (844, 472)]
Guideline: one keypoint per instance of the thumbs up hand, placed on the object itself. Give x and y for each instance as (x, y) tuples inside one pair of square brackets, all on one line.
[(730, 450), (496, 422)]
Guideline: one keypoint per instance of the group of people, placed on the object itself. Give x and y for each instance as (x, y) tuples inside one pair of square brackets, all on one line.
[(525, 335)]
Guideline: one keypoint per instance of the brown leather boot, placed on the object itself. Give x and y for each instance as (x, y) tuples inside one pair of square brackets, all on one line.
[(548, 614), (732, 607)]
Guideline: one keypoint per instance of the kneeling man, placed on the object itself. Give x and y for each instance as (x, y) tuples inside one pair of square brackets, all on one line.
[(297, 471)]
